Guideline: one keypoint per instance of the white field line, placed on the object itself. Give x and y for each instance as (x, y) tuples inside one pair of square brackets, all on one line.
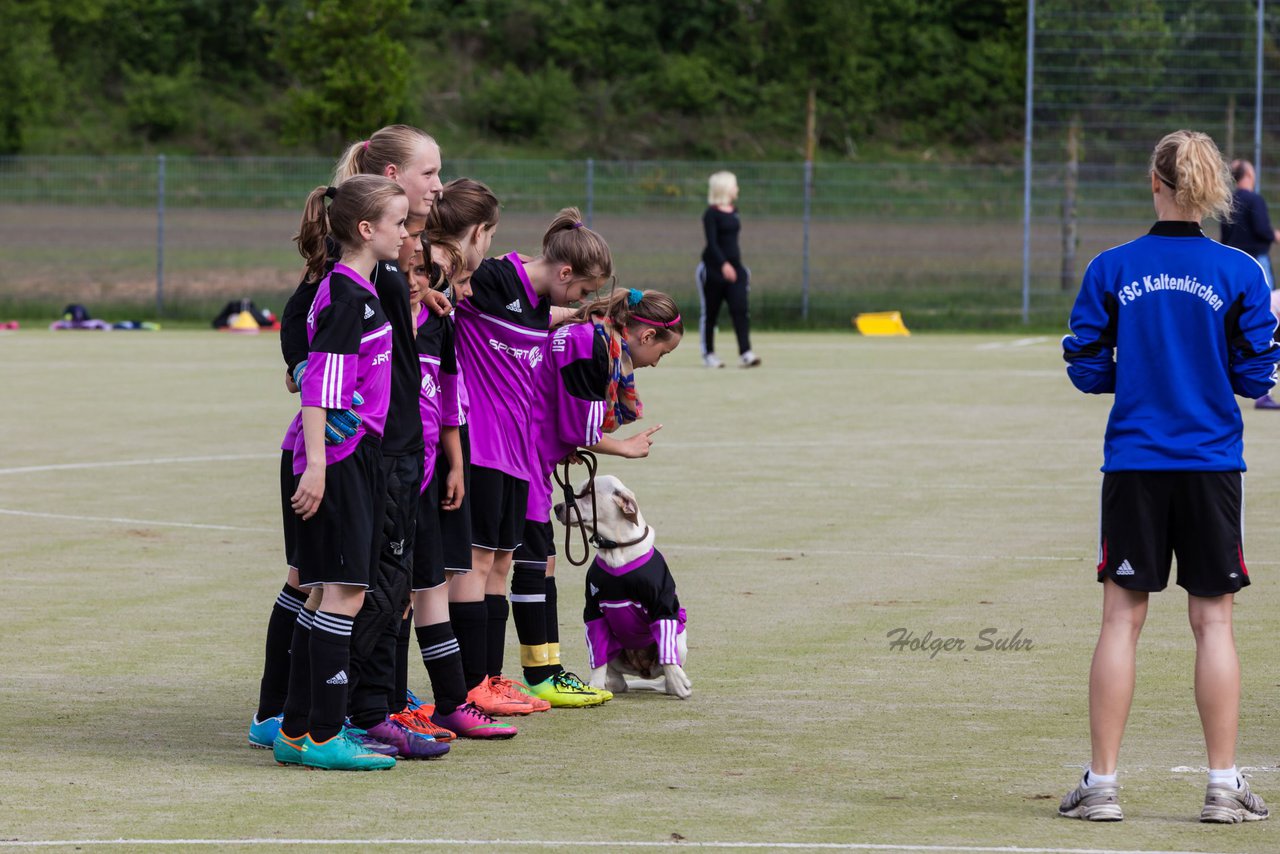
[(150, 462), (116, 520), (581, 843), (675, 547)]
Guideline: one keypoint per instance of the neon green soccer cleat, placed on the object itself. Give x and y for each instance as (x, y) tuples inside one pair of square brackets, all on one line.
[(343, 753), (566, 691)]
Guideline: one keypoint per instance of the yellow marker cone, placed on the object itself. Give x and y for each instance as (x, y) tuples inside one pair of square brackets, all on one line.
[(881, 323), (243, 322)]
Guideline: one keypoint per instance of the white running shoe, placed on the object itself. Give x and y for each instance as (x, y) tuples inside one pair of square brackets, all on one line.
[(749, 359), (1225, 805), (1091, 803), (711, 360)]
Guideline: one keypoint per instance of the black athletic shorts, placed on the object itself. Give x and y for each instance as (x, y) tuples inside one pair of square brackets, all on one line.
[(498, 505), (428, 551), (455, 525), (400, 520), (1149, 517), (538, 543), (339, 545), (288, 486)]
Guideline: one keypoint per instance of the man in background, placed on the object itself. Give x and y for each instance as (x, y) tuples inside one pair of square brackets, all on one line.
[(1251, 231)]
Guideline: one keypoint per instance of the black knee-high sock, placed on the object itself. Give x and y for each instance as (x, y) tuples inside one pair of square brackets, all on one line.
[(553, 627), (529, 610), (400, 691), (441, 655), (330, 660), (297, 704), (275, 669), (497, 609), (470, 621)]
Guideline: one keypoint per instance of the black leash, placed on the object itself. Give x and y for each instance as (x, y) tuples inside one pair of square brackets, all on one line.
[(571, 508)]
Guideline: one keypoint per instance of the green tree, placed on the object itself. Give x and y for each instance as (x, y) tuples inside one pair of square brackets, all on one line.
[(347, 65)]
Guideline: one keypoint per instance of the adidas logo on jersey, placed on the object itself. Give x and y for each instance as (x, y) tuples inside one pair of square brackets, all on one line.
[(339, 678), (594, 590), (368, 312), (1125, 568), (514, 305)]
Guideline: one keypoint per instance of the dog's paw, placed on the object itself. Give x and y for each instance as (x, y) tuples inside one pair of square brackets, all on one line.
[(599, 675), (677, 681)]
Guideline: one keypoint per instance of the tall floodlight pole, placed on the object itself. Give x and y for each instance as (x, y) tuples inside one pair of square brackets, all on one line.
[(1026, 166), (1257, 98)]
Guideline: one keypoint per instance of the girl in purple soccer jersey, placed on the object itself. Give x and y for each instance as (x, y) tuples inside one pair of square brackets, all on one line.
[(339, 485), (501, 338), (584, 390)]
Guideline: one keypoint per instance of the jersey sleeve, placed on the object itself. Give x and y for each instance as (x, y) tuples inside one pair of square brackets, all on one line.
[(1090, 348), (665, 615), (601, 643), (330, 378), (580, 410), (293, 325), (713, 237), (1250, 331), (1261, 221)]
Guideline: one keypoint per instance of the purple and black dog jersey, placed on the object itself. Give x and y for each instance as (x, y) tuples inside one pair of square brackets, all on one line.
[(349, 350), (631, 607)]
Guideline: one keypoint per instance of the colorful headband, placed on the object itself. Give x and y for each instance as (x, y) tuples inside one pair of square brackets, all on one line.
[(667, 325), (331, 192)]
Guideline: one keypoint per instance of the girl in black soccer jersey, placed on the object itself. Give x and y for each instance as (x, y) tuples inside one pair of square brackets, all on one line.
[(337, 485), (502, 330), (721, 277), (459, 232), (411, 158)]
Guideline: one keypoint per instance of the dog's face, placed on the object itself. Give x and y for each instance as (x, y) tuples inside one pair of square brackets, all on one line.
[(616, 505)]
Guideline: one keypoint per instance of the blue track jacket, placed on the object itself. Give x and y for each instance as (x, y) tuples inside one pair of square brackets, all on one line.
[(1174, 324)]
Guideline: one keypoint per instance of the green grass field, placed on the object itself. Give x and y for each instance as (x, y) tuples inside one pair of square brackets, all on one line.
[(848, 488)]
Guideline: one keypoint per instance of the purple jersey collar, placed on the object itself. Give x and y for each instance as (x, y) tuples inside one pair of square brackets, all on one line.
[(514, 258), (355, 277), (626, 567)]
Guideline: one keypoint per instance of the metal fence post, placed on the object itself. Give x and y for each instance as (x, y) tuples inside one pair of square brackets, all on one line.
[(804, 277), (1026, 164), (591, 189), (1257, 105), (160, 236)]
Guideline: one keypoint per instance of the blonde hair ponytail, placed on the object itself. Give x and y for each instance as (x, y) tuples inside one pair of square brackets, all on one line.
[(1189, 163)]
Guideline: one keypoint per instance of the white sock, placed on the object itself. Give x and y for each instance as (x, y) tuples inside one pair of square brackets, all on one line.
[(1228, 777), (1092, 778)]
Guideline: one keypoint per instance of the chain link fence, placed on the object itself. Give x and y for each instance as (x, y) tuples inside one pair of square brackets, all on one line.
[(129, 233), (1110, 78)]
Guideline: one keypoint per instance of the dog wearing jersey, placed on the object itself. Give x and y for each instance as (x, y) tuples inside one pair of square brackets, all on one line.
[(636, 636)]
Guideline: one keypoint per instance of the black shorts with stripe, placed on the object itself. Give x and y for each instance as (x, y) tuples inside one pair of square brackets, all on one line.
[(288, 486), (1150, 517), (537, 544), (339, 545), (455, 525), (428, 550), (498, 505)]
